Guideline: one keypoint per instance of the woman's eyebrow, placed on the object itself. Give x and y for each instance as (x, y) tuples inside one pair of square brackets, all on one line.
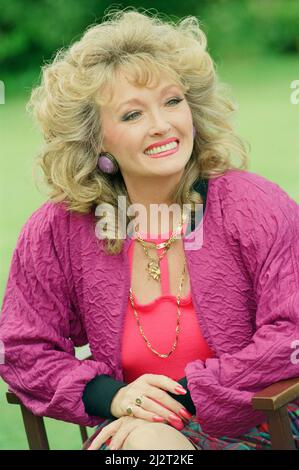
[(137, 100)]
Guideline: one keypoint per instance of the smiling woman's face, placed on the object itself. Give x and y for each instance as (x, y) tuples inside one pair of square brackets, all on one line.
[(154, 115)]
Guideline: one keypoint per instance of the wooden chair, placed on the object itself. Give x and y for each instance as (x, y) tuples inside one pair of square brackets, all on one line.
[(272, 400), (34, 425)]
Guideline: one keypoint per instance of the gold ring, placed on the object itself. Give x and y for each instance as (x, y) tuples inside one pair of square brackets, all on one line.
[(138, 401), (130, 411)]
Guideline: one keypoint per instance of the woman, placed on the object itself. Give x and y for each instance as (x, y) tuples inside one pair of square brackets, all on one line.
[(186, 322)]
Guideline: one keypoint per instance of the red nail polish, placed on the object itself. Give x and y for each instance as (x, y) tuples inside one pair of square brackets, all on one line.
[(185, 413), (175, 417), (180, 390), (176, 424), (158, 419)]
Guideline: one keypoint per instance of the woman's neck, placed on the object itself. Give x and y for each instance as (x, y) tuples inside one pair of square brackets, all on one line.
[(158, 225)]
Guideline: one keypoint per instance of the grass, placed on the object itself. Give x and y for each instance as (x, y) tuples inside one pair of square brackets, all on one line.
[(266, 119)]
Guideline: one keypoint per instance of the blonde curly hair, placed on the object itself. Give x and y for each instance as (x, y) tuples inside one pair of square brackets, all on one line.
[(67, 105)]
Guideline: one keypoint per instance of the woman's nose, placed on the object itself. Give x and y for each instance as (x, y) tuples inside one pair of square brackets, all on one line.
[(160, 127)]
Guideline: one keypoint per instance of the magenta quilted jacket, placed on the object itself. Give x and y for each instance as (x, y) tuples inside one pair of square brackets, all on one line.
[(64, 291)]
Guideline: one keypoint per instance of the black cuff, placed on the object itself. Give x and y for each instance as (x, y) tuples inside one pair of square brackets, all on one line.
[(98, 395)]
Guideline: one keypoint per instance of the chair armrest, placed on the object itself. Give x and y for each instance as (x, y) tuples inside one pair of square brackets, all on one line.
[(12, 398), (277, 395)]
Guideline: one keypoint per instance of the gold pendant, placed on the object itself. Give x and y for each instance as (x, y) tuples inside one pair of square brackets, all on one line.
[(154, 270)]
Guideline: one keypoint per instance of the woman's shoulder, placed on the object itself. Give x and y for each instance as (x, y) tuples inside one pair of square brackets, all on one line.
[(46, 216), (243, 189), (255, 210), (50, 223), (247, 183)]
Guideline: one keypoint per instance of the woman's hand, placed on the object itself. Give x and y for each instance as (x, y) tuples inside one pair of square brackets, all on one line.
[(118, 430), (156, 405)]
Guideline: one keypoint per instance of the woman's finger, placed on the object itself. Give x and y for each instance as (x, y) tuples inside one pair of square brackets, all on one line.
[(157, 391), (119, 438), (144, 413), (167, 406), (158, 406), (98, 442), (168, 417), (163, 382), (104, 434), (118, 430), (126, 427)]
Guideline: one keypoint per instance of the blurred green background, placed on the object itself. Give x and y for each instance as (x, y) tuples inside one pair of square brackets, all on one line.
[(255, 45)]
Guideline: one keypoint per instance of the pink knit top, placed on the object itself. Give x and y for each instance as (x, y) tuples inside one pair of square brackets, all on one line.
[(158, 320)]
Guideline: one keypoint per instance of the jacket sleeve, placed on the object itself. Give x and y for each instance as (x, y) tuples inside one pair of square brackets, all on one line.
[(38, 320), (265, 232)]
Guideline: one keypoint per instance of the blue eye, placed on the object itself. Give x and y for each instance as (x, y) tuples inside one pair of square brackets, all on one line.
[(130, 117), (177, 100)]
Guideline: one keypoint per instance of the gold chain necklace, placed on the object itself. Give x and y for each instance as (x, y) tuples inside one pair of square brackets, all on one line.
[(153, 266), (178, 299), (153, 269)]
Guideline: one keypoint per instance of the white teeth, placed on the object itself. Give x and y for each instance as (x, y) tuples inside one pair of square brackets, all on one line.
[(163, 148)]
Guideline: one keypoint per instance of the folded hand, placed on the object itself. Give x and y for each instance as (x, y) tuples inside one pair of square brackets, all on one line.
[(156, 404), (118, 430)]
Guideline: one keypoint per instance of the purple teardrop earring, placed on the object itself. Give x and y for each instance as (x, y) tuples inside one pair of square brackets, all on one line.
[(107, 163)]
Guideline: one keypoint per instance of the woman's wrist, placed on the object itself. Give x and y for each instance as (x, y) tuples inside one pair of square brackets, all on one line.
[(114, 408)]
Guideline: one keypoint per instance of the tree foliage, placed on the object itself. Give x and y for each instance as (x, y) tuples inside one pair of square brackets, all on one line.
[(32, 31)]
